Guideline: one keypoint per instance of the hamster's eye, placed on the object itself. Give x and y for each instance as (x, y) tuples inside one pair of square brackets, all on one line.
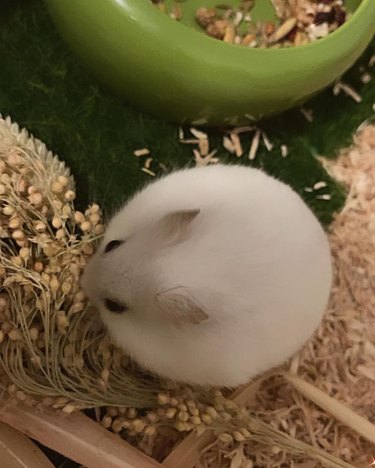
[(112, 245), (115, 307)]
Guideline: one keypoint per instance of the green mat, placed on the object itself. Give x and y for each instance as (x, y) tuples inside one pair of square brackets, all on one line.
[(46, 89)]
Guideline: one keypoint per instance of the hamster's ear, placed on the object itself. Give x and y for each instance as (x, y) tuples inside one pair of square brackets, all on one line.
[(178, 307), (173, 228)]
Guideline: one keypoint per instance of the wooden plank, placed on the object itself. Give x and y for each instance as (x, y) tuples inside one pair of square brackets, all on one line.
[(76, 437), (18, 451)]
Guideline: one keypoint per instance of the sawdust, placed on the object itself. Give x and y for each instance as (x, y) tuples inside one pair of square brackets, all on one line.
[(340, 360)]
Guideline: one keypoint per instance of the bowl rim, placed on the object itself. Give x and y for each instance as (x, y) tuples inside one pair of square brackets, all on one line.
[(208, 41)]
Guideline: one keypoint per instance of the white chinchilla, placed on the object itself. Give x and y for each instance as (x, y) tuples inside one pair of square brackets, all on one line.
[(212, 275)]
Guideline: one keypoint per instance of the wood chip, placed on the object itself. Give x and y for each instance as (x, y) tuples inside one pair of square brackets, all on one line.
[(204, 146), (325, 196), (267, 142), (245, 129), (254, 145), (308, 114), (284, 151), (348, 90), (141, 152), (148, 171), (319, 185), (237, 144), (148, 163), (228, 145), (198, 134)]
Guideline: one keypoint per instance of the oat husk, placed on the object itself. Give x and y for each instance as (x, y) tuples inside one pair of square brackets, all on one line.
[(54, 353)]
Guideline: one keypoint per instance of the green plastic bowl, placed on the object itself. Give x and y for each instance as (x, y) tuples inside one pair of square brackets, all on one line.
[(178, 73)]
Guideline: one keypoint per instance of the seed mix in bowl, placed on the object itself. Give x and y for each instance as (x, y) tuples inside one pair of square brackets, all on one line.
[(298, 22)]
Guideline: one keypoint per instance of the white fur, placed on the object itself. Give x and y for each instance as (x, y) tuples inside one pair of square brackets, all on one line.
[(255, 260)]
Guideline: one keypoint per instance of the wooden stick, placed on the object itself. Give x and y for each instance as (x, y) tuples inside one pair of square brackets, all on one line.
[(76, 437), (18, 451)]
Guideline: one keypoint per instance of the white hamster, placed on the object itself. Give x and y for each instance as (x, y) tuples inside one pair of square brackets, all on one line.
[(212, 275)]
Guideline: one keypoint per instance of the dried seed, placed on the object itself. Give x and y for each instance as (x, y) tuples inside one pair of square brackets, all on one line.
[(107, 422), (63, 180), (56, 222), (40, 226), (150, 431), (170, 413), (21, 395), (229, 34), (163, 398), (225, 437), (284, 29), (248, 39), (15, 223), (79, 217), (36, 198), (238, 436), (196, 420), (8, 210), (15, 335), (33, 333), (38, 267), (86, 226), (69, 195), (25, 253), (57, 187), (18, 234), (69, 409)]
